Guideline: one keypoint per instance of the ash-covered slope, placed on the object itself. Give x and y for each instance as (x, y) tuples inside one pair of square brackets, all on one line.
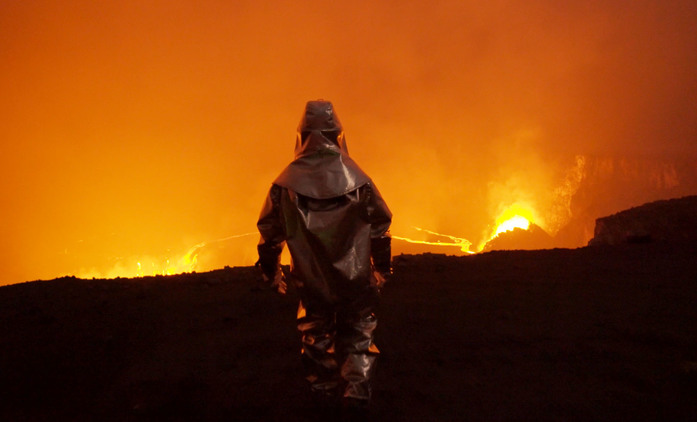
[(603, 333), (673, 220)]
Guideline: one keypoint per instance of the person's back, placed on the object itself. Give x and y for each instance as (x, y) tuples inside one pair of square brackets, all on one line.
[(336, 225)]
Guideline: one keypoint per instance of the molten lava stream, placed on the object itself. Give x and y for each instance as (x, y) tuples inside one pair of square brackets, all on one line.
[(514, 217)]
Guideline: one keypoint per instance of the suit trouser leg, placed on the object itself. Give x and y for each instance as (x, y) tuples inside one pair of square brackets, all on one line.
[(357, 354), (318, 331)]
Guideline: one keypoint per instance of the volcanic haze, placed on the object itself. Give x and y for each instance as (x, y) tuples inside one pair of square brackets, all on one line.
[(133, 131)]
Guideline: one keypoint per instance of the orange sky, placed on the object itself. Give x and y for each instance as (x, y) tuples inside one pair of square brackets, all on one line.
[(141, 128)]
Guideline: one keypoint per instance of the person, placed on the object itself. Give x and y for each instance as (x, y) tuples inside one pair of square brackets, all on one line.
[(336, 226)]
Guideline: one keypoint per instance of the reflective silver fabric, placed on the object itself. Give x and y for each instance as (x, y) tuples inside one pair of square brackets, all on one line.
[(322, 167), (335, 223), (338, 351)]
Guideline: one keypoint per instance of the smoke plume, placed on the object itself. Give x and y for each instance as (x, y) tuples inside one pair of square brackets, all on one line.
[(134, 129)]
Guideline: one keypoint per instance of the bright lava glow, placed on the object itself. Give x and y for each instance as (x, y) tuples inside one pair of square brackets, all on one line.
[(461, 243), (148, 266), (515, 222), (513, 217)]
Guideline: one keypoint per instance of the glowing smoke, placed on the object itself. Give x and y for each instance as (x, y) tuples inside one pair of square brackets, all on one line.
[(145, 127)]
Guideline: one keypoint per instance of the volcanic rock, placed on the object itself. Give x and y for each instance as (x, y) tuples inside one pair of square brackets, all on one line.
[(519, 239), (673, 220), (597, 333)]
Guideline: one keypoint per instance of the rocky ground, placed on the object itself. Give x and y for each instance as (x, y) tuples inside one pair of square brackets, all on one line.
[(671, 220), (597, 333)]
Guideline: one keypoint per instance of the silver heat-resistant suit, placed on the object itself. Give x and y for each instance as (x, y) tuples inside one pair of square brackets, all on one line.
[(336, 226)]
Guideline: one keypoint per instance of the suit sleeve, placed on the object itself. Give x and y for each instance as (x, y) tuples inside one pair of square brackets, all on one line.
[(380, 239), (272, 239)]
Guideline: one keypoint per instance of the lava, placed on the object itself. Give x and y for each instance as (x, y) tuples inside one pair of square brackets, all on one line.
[(146, 266), (459, 242), (513, 217)]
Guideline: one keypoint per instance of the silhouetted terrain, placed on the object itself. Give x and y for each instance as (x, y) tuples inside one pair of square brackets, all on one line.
[(663, 221), (598, 333)]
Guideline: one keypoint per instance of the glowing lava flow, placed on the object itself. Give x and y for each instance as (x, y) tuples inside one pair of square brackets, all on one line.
[(461, 243), (516, 222), (188, 262), (146, 265), (514, 217)]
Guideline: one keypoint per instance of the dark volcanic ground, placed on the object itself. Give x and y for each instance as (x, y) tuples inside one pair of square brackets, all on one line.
[(601, 333)]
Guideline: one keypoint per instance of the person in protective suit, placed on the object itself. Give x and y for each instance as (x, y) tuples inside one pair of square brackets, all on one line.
[(336, 226)]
